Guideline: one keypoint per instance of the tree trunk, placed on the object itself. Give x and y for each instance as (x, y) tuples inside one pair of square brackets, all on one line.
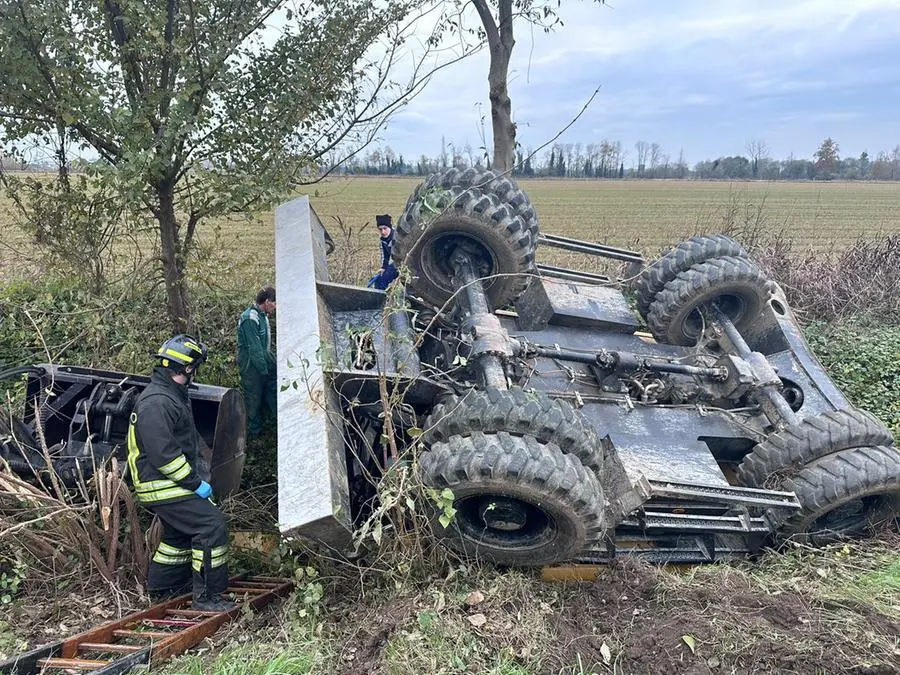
[(172, 259), (501, 113), (500, 43)]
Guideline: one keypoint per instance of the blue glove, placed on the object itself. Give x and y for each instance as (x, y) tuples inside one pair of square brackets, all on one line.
[(204, 491)]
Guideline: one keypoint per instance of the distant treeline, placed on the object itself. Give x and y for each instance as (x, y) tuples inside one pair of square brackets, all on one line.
[(607, 159), (647, 160)]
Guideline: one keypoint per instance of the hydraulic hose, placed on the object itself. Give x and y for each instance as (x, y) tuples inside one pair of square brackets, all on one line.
[(20, 370)]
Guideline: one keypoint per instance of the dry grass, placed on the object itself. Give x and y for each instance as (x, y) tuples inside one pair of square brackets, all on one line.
[(646, 215)]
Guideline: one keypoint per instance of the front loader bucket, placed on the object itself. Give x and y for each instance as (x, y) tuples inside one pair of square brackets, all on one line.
[(81, 415)]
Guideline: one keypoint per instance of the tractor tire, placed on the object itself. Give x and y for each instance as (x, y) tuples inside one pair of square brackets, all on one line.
[(843, 494), (680, 259), (738, 285), (440, 220), (789, 450), (492, 182), (518, 502), (518, 413)]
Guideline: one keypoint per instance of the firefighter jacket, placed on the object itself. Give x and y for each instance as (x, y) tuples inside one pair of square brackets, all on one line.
[(254, 341), (163, 443)]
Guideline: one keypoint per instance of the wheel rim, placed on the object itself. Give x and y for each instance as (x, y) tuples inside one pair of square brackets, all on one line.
[(733, 305), (438, 250), (847, 519), (503, 522)]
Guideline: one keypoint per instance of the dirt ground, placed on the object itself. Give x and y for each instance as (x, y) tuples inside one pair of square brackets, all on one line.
[(784, 615), (640, 619)]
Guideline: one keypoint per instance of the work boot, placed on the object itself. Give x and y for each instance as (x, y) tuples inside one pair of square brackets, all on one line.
[(213, 603)]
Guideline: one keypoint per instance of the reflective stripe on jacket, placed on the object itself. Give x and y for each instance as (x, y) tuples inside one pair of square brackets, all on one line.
[(163, 443)]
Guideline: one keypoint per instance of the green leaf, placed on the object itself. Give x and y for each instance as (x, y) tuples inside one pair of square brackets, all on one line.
[(690, 642)]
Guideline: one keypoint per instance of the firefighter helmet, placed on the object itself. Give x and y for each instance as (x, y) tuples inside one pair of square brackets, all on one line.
[(181, 351)]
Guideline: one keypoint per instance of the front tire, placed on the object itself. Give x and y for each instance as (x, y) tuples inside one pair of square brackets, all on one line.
[(519, 413), (680, 259), (786, 452), (518, 502)]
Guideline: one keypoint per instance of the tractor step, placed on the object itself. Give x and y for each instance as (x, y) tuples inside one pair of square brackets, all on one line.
[(686, 522), (119, 646), (720, 494)]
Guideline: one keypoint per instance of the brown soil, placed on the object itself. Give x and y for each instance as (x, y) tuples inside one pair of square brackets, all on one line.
[(643, 623), (634, 619)]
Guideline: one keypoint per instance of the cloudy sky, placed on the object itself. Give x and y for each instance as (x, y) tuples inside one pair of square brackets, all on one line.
[(704, 76)]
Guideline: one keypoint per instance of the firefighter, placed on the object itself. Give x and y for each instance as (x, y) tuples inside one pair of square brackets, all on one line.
[(256, 361), (388, 271), (163, 459)]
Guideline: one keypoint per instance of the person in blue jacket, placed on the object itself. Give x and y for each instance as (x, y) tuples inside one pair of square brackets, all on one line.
[(388, 272), (256, 361)]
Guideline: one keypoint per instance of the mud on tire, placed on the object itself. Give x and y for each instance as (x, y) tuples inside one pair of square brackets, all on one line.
[(738, 286), (789, 450), (519, 413), (439, 220), (843, 493), (680, 259), (518, 502)]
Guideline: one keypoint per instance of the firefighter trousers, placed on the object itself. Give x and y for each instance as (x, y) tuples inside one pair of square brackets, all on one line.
[(193, 549)]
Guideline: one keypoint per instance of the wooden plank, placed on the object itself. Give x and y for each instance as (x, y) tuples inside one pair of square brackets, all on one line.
[(237, 589), (268, 585), (189, 612), (109, 648), (146, 634), (186, 623), (572, 572), (72, 664), (27, 662)]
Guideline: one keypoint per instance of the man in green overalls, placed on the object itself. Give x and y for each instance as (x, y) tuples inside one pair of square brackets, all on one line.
[(256, 361)]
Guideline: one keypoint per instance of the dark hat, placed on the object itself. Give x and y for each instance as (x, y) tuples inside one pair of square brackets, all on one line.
[(383, 221)]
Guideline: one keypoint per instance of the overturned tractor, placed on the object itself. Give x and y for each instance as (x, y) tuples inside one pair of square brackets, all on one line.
[(563, 432)]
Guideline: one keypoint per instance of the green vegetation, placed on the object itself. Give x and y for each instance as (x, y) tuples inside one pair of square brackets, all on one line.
[(864, 361), (802, 610)]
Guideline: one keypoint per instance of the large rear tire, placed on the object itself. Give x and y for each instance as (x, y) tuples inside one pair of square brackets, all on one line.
[(519, 413), (492, 182), (518, 502), (843, 494), (737, 285), (439, 220), (680, 259), (786, 452)]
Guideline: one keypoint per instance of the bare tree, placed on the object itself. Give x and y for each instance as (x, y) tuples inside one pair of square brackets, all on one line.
[(758, 150), (499, 35), (642, 148), (655, 156)]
